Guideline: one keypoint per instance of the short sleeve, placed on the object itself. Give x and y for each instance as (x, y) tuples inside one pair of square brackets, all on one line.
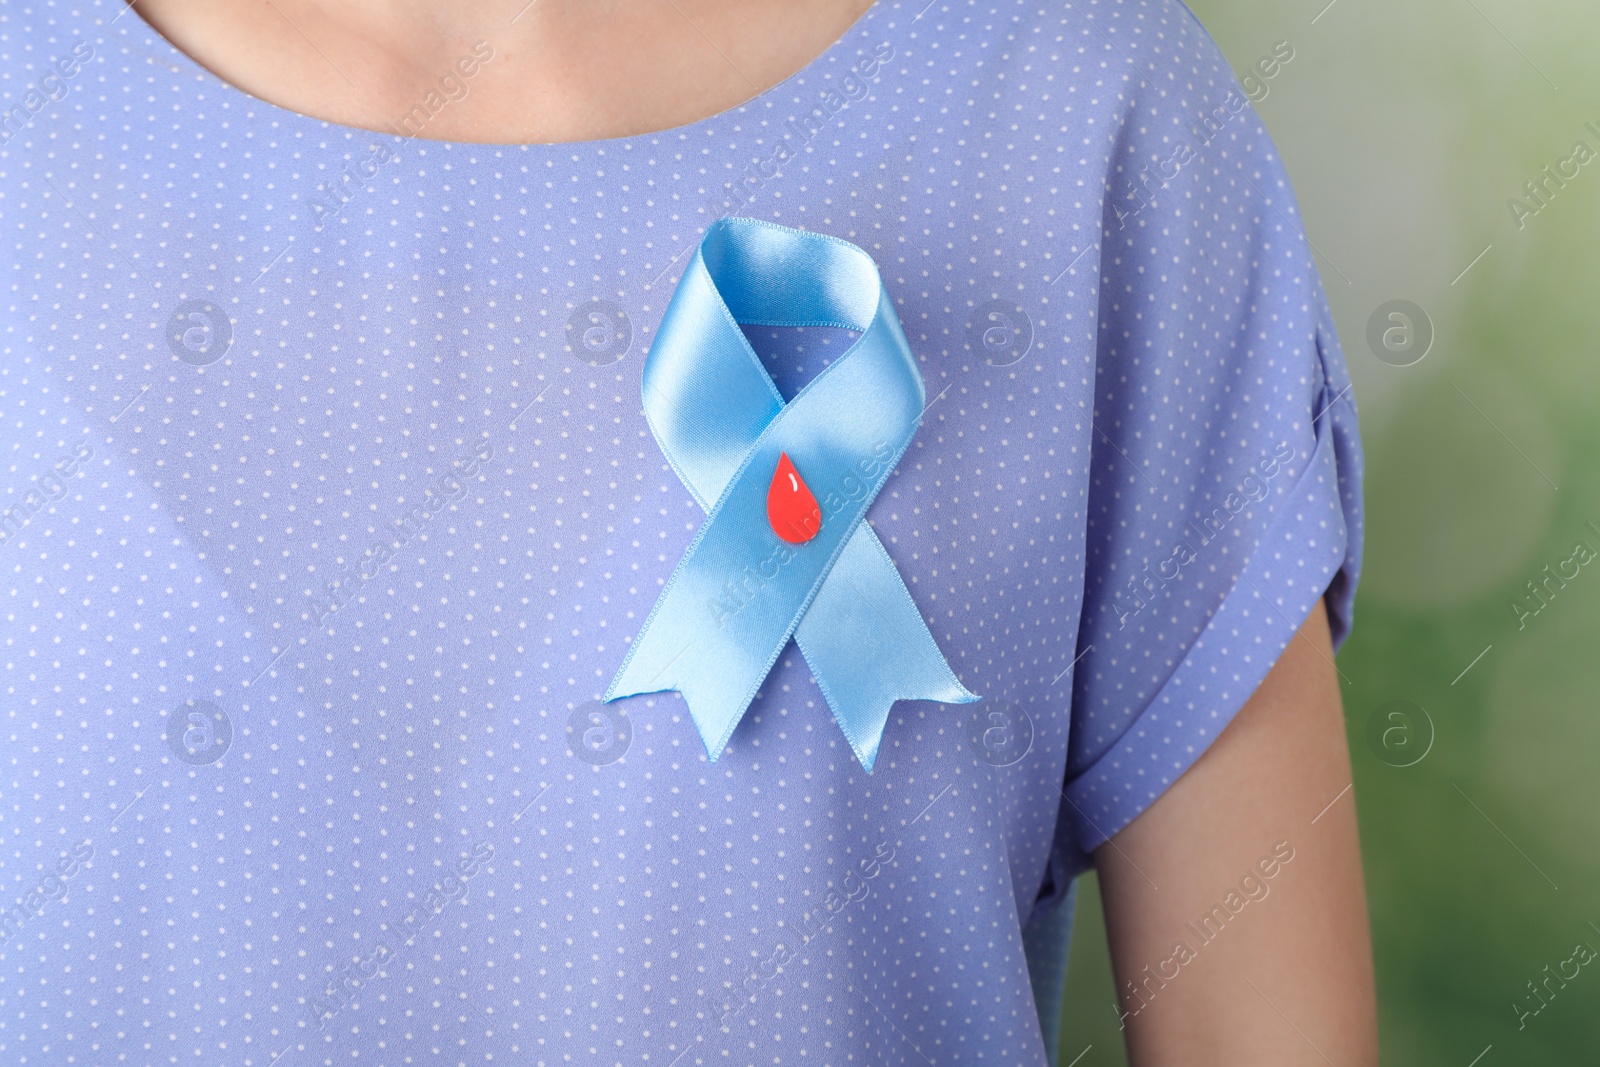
[(1225, 480)]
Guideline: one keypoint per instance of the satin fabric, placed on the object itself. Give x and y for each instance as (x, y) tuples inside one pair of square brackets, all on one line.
[(740, 592)]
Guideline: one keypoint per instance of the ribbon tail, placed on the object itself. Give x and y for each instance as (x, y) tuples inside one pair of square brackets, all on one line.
[(867, 645), (716, 691)]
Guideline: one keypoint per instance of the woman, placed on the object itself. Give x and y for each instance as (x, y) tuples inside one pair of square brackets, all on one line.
[(339, 521)]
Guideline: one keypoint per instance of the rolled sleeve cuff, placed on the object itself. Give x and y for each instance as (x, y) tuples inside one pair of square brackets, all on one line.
[(1298, 558)]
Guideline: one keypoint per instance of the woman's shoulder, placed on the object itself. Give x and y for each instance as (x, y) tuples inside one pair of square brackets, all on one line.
[(1124, 54), (1109, 79)]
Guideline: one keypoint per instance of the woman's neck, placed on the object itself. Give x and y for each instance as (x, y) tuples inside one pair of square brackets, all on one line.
[(504, 71)]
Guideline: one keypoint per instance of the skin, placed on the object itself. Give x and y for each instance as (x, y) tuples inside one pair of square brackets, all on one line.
[(574, 70), (563, 70), (1289, 979)]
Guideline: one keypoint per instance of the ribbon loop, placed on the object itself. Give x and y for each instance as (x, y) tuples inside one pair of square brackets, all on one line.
[(740, 592)]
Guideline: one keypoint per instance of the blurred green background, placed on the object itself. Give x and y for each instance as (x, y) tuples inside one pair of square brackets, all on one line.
[(1407, 128)]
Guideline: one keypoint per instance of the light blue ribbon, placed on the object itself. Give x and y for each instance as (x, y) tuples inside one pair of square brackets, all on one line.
[(739, 592)]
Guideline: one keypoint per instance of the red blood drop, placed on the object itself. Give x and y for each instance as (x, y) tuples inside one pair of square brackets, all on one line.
[(791, 509)]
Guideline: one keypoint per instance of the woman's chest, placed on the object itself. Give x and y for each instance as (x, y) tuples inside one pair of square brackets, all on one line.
[(391, 403)]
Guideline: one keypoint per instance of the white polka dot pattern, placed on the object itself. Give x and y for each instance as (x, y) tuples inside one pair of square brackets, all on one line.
[(328, 508)]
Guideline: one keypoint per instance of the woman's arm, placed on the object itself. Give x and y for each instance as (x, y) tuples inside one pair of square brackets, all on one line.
[(1252, 866)]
